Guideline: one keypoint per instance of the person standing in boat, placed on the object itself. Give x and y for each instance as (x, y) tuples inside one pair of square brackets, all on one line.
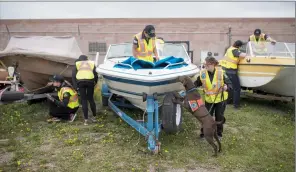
[(259, 39), (230, 65), (84, 78), (67, 104), (144, 45), (215, 85)]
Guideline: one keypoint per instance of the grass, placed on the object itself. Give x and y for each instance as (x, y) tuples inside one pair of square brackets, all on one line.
[(257, 138)]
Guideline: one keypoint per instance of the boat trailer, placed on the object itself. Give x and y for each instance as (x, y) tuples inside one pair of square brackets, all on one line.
[(150, 129)]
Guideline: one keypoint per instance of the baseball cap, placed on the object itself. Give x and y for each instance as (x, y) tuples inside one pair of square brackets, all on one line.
[(257, 32), (58, 78), (150, 30), (238, 43)]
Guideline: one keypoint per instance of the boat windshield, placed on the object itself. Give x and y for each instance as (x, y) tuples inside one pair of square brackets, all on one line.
[(280, 49), (164, 50)]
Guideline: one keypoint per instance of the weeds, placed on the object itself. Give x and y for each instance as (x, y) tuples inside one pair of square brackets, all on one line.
[(256, 138)]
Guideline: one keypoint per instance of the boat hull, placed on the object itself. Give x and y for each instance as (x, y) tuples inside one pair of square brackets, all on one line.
[(134, 93), (274, 76), (35, 72), (132, 84)]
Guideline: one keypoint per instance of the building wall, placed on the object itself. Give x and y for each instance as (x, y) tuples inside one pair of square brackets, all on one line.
[(203, 34)]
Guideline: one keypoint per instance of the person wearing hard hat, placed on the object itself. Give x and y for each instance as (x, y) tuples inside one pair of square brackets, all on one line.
[(67, 104), (259, 39), (230, 65), (144, 45), (84, 78), (215, 85)]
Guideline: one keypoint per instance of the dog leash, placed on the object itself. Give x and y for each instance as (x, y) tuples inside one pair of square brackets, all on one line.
[(216, 98)]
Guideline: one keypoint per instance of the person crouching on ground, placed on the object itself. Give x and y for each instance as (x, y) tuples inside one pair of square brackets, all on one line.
[(215, 85), (67, 104)]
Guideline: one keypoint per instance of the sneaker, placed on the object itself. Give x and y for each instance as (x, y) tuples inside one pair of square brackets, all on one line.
[(85, 122), (72, 117), (93, 119), (55, 119)]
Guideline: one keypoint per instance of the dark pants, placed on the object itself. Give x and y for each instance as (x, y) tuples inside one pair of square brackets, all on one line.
[(235, 94), (217, 109), (86, 90), (61, 112), (236, 91)]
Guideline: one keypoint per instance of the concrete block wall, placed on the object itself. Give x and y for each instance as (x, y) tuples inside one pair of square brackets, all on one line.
[(203, 34)]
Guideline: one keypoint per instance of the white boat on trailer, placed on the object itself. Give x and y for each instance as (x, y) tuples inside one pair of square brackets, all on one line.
[(131, 82), (146, 86)]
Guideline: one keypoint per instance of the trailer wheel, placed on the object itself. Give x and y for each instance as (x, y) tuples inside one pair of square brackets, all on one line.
[(171, 115)]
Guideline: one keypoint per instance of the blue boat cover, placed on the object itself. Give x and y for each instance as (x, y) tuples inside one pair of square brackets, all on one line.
[(141, 64)]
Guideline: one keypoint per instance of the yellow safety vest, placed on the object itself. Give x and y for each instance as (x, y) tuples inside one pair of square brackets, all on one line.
[(73, 101), (260, 44), (261, 38), (229, 61), (145, 51), (211, 90), (85, 70)]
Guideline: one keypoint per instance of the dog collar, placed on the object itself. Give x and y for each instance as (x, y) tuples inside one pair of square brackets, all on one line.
[(192, 89)]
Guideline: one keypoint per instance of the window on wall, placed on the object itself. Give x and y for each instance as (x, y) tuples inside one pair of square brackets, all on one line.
[(94, 47)]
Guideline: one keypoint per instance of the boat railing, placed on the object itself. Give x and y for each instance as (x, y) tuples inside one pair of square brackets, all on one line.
[(291, 53), (268, 49)]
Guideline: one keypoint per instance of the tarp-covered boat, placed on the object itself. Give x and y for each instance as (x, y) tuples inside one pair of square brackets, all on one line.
[(40, 57)]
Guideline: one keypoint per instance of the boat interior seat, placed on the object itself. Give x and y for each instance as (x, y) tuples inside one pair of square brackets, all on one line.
[(170, 62)]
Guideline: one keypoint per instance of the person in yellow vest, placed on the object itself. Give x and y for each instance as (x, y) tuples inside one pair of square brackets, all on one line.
[(144, 45), (84, 78), (259, 40), (65, 106), (215, 85), (230, 65)]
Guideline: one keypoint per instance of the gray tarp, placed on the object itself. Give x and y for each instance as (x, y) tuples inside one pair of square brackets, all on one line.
[(63, 49), (40, 57)]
